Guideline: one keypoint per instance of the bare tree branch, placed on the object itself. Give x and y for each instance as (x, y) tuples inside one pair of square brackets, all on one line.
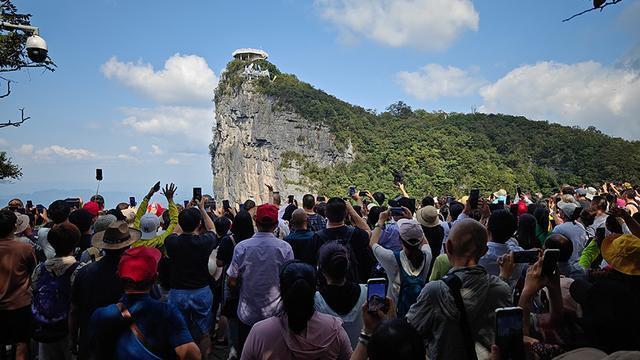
[(17, 123), (612, 2), (47, 66)]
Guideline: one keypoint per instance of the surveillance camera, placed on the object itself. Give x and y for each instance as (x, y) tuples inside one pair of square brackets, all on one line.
[(36, 48)]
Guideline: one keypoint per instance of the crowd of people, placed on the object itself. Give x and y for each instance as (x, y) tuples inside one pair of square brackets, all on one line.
[(366, 276)]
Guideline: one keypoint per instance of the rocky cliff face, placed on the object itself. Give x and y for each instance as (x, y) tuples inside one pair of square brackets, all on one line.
[(256, 141)]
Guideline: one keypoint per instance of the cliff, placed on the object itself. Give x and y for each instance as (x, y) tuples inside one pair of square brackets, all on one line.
[(258, 142)]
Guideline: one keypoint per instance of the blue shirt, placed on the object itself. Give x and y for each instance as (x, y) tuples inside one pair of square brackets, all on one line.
[(256, 264), (304, 247), (490, 260), (160, 323), (390, 237)]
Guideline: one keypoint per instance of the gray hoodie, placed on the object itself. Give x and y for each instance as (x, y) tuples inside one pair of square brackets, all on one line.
[(436, 316)]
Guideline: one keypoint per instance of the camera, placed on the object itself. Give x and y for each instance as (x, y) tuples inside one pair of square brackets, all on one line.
[(36, 48)]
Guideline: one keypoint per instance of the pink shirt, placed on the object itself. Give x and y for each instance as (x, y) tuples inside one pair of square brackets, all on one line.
[(324, 338)]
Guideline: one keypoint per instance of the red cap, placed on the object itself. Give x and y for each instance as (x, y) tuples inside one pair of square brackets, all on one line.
[(139, 264), (92, 207), (267, 214)]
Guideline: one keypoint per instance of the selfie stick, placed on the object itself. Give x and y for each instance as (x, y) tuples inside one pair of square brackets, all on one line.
[(98, 189)]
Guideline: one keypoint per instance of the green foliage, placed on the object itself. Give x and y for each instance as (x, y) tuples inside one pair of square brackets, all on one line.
[(8, 170), (443, 153)]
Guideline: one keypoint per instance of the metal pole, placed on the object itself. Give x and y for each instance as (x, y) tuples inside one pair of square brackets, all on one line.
[(26, 28)]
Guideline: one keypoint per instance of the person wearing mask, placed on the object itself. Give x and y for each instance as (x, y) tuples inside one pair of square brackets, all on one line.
[(436, 316), (501, 227), (189, 272), (299, 332), (17, 262), (96, 284), (301, 238), (315, 222), (51, 288), (355, 238), (340, 297), (139, 327), (407, 270), (254, 271), (149, 223)]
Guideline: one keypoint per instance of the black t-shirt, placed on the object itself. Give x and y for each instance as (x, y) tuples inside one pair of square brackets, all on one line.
[(359, 243), (189, 257), (305, 248), (95, 285), (225, 250)]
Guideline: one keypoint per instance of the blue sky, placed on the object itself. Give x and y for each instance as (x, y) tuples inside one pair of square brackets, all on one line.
[(132, 90)]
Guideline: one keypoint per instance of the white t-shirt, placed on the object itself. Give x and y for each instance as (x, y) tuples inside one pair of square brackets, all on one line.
[(387, 259)]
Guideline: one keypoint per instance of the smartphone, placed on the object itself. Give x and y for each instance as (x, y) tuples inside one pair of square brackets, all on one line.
[(186, 203), (519, 191), (99, 174), (156, 187), (132, 201), (197, 193), (396, 211), (225, 204), (362, 193), (509, 333), (398, 177), (376, 293), (29, 204), (550, 261), (474, 196), (320, 198), (351, 191), (525, 257)]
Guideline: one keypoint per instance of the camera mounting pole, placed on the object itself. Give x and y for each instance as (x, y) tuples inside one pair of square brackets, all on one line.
[(26, 28)]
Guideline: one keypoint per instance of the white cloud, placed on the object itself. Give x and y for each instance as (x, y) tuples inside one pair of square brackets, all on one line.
[(25, 149), (61, 151), (584, 94), (127, 157), (172, 122), (185, 79), (134, 149), (156, 150), (433, 81), (172, 161), (423, 24)]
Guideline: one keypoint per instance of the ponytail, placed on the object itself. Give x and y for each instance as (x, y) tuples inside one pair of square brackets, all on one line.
[(297, 287)]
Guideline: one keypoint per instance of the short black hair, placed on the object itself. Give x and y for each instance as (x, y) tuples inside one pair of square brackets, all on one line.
[(336, 210), (222, 224), (379, 197), (8, 221), (59, 211), (189, 219), (249, 204), (427, 201), (64, 238), (455, 209), (308, 201), (560, 242), (501, 225), (82, 219)]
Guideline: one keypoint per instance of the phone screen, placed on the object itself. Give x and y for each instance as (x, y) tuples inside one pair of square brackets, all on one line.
[(525, 257), (197, 193), (376, 293), (132, 201), (225, 204), (509, 333), (549, 261)]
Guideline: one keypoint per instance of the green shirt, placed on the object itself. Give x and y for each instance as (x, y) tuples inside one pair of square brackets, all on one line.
[(158, 241)]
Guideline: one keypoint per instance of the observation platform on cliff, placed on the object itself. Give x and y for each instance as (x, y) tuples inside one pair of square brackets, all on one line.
[(248, 54)]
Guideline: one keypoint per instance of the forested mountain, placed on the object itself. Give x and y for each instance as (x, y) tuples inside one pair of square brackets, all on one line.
[(443, 153)]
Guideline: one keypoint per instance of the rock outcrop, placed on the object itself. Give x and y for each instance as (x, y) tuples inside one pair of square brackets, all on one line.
[(256, 142)]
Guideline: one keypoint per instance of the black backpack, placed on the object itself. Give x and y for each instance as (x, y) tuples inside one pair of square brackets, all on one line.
[(345, 241)]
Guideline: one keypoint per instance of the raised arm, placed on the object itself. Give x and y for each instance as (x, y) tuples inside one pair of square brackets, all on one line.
[(633, 225), (356, 219), (142, 208), (206, 219), (377, 230)]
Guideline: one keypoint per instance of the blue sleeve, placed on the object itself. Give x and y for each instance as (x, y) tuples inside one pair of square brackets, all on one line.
[(177, 331)]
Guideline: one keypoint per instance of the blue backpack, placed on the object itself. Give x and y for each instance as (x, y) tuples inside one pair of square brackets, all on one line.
[(51, 303), (410, 287)]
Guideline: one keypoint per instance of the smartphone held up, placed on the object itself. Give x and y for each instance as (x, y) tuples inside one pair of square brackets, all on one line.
[(376, 294)]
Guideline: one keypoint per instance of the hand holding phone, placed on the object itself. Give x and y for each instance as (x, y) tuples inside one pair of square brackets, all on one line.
[(351, 191), (474, 197), (197, 193), (550, 262), (509, 333), (225, 205)]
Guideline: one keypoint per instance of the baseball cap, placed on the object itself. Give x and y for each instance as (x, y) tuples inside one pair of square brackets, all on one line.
[(568, 208), (139, 264), (149, 224), (591, 193), (92, 207), (581, 191), (267, 214), (410, 231)]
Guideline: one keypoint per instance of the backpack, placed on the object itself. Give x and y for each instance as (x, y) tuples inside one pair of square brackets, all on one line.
[(51, 303), (352, 273), (410, 287)]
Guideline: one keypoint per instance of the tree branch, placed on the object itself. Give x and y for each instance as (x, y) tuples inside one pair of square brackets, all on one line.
[(612, 2), (17, 123), (48, 66)]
